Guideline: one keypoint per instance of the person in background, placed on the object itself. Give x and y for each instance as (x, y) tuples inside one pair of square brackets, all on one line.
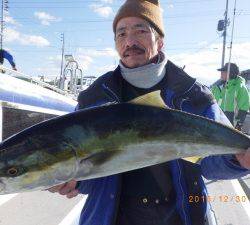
[(6, 55), (232, 95), (160, 194)]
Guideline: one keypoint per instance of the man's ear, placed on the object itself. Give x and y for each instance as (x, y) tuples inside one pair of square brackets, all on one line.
[(160, 44)]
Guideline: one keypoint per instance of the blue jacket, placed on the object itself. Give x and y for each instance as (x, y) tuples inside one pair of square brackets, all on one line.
[(6, 55), (103, 193)]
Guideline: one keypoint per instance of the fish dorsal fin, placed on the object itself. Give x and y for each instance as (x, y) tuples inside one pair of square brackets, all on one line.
[(193, 159), (150, 99)]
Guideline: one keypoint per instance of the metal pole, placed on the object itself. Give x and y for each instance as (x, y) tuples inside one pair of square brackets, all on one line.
[(62, 78), (224, 36), (2, 11), (230, 54)]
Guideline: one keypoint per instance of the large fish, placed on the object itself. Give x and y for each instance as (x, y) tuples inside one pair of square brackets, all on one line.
[(108, 140)]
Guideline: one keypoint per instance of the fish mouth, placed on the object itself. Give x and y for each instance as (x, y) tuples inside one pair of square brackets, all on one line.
[(2, 186)]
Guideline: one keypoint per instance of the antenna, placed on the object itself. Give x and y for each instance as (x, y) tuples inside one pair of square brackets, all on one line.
[(4, 7), (62, 78)]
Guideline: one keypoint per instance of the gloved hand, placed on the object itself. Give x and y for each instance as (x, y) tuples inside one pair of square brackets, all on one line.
[(240, 119), (239, 126)]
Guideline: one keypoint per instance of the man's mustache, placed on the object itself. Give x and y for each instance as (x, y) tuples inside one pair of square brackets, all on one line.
[(133, 48)]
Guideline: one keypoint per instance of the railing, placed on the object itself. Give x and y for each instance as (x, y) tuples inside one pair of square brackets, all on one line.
[(31, 79)]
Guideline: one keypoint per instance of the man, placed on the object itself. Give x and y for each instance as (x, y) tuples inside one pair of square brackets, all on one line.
[(157, 195), (232, 94), (6, 55)]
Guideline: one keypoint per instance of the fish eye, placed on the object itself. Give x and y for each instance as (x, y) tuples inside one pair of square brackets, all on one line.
[(13, 171)]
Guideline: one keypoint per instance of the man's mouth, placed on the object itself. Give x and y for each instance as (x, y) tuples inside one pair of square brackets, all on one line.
[(133, 52)]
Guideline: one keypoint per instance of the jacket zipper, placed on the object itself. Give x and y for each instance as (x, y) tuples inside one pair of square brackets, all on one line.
[(175, 97), (117, 203), (183, 195), (111, 93)]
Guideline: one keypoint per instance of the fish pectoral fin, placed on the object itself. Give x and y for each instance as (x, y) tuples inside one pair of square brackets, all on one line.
[(150, 99), (193, 159), (99, 157)]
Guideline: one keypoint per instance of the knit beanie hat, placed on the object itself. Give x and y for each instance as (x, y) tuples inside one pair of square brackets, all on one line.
[(146, 9)]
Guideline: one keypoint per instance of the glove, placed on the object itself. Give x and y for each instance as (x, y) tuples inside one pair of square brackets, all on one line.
[(239, 126)]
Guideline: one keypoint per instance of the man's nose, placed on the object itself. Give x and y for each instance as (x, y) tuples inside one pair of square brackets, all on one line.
[(131, 40)]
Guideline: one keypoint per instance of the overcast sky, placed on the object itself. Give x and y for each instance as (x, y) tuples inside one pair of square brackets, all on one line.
[(33, 35)]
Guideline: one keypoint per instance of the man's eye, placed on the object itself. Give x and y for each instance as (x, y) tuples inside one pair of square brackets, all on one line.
[(120, 35), (143, 30)]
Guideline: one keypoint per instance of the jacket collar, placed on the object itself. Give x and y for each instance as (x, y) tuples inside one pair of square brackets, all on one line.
[(176, 79)]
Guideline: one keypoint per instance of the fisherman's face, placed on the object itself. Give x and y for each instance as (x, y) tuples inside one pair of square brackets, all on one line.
[(224, 75), (136, 42)]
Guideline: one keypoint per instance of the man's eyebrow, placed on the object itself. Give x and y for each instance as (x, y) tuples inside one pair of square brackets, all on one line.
[(138, 25), (121, 29)]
